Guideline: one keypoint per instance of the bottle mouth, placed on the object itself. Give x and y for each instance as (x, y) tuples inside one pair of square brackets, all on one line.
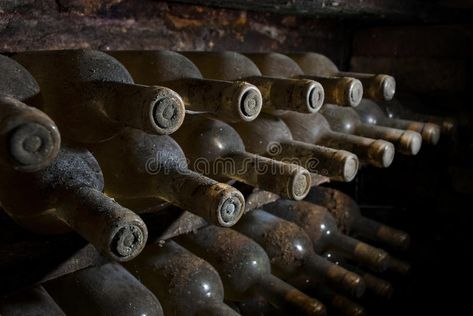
[(168, 113), (300, 185), (350, 165), (383, 153), (128, 241), (388, 87), (231, 209), (250, 103), (431, 134), (32, 146), (353, 92), (315, 97), (410, 143)]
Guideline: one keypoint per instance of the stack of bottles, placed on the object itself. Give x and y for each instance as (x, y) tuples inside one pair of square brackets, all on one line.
[(87, 135)]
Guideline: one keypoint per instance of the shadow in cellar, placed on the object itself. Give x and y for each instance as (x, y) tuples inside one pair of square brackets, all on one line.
[(235, 158)]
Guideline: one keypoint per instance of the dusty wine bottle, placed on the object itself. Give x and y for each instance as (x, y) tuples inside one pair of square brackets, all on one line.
[(291, 252), (33, 301), (91, 96), (29, 139), (185, 284), (215, 149), (313, 128), (245, 269), (376, 86), (154, 166), (227, 100), (68, 195), (346, 120), (322, 230), (370, 113), (300, 95), (269, 136), (338, 90), (108, 289), (350, 220), (395, 109)]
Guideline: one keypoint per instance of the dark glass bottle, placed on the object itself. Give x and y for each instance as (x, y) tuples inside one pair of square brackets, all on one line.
[(322, 228), (184, 283), (141, 165), (216, 150), (346, 120), (313, 128), (91, 96), (338, 90), (300, 95), (226, 100), (291, 252), (245, 269), (350, 220), (370, 113), (108, 289), (376, 86), (269, 136), (68, 195), (34, 301), (29, 139)]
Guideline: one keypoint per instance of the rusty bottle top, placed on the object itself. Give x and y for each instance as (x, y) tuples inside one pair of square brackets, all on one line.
[(322, 230), (313, 128), (337, 90), (184, 283), (68, 195), (397, 110), (300, 95), (245, 269), (108, 289), (376, 86), (350, 220), (141, 165), (29, 139), (291, 252), (346, 120), (215, 149), (269, 136), (370, 113), (91, 96), (30, 302), (227, 100)]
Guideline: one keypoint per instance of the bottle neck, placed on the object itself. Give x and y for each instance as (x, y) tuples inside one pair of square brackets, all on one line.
[(286, 297), (373, 258), (342, 91), (406, 142), (153, 109), (29, 139), (336, 164), (377, 87), (111, 228), (218, 203), (226, 100), (376, 231), (286, 180), (334, 275), (376, 152), (300, 95)]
